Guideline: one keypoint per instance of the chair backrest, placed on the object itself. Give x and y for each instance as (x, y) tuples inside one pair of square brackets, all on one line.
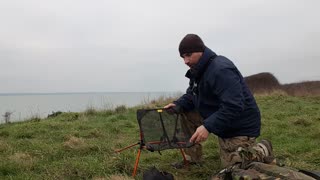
[(161, 129)]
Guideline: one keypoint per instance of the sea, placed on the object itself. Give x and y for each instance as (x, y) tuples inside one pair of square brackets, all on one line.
[(23, 106)]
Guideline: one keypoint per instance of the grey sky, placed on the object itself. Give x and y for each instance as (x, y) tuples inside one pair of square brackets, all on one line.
[(116, 45)]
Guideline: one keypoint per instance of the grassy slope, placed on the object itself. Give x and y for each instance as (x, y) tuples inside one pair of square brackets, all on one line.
[(81, 145)]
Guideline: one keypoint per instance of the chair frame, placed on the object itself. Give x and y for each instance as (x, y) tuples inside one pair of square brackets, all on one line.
[(145, 146)]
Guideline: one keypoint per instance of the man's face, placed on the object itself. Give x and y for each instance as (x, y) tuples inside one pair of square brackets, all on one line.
[(191, 59)]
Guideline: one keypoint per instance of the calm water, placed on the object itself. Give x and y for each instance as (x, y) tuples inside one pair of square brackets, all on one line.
[(24, 106)]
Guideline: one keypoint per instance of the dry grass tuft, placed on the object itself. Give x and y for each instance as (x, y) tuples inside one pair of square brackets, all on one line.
[(74, 143), (158, 103), (94, 134), (120, 177), (23, 159), (99, 178), (4, 146), (302, 122)]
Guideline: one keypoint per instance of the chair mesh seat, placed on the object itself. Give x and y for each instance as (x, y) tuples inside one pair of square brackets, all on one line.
[(160, 130)]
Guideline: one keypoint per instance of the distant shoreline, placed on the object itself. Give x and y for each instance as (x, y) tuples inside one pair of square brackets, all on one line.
[(68, 93)]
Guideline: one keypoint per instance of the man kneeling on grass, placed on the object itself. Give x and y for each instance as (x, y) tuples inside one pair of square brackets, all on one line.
[(227, 108)]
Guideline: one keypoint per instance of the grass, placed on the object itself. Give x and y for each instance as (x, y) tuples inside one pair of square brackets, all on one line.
[(81, 145)]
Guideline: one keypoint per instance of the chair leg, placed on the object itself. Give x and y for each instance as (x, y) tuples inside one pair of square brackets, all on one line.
[(119, 150), (186, 162), (136, 164)]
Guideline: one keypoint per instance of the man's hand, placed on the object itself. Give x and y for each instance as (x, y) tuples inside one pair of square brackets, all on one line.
[(200, 135), (171, 108), (171, 105)]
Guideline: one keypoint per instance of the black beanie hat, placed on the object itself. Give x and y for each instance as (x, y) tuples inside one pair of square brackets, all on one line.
[(191, 43)]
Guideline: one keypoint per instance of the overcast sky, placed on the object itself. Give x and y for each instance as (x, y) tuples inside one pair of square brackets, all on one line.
[(117, 45)]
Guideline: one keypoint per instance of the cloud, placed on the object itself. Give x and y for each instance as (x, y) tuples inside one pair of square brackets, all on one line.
[(49, 46)]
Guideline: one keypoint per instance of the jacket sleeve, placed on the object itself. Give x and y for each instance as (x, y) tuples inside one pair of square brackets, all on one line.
[(186, 101), (227, 86)]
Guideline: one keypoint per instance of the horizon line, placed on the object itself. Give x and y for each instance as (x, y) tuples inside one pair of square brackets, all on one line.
[(85, 92)]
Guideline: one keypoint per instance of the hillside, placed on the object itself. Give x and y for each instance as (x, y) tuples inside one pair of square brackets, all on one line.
[(81, 145), (267, 83)]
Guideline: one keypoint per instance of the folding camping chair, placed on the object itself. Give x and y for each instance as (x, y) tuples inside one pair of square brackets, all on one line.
[(160, 129)]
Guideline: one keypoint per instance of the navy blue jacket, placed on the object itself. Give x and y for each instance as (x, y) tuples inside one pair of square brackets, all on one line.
[(218, 92)]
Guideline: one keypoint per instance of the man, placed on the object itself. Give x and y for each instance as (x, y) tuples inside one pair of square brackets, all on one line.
[(217, 91)]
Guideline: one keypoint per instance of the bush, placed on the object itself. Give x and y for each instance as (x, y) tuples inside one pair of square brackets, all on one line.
[(121, 109), (90, 111)]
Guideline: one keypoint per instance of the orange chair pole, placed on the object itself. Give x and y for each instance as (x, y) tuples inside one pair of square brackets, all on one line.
[(184, 157), (136, 164), (119, 150)]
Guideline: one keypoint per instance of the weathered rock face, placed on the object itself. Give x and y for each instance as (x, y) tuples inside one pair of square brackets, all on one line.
[(266, 83), (303, 88), (263, 83)]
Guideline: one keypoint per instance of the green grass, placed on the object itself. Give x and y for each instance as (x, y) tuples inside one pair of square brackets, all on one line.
[(81, 145)]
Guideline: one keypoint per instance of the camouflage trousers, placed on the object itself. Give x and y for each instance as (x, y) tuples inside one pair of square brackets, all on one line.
[(241, 149), (260, 171)]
